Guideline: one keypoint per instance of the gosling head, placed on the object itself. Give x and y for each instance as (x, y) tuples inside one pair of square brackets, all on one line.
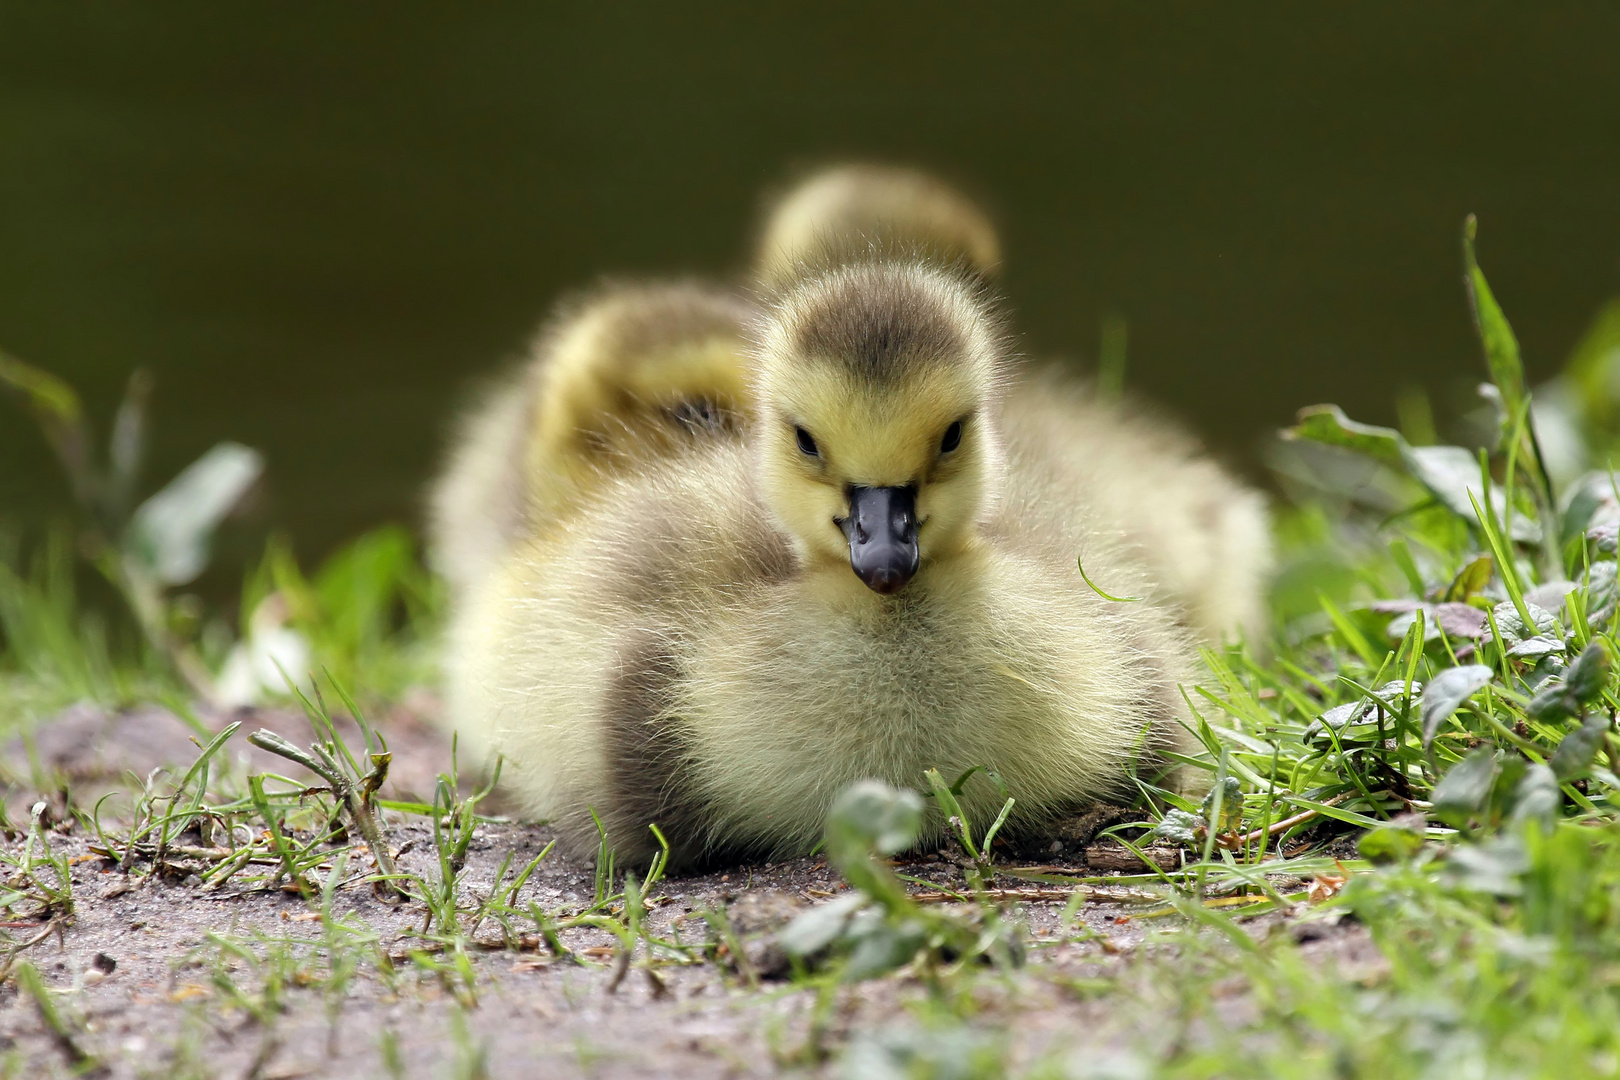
[(851, 212), (877, 386)]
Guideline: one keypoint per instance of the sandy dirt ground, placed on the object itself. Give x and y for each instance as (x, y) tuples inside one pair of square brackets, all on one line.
[(144, 966)]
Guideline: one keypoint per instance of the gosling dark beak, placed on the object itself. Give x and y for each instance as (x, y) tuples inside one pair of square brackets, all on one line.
[(882, 532)]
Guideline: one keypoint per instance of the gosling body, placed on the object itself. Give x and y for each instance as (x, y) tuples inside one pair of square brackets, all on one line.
[(651, 529), (1202, 536), (694, 652)]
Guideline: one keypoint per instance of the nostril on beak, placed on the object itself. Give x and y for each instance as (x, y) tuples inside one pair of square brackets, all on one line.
[(882, 534), (886, 580)]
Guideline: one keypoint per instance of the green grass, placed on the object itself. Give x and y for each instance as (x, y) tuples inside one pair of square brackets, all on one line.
[(1426, 747), (366, 618)]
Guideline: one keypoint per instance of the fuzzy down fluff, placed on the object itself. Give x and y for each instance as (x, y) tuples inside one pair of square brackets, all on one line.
[(670, 657), (655, 620), (665, 662)]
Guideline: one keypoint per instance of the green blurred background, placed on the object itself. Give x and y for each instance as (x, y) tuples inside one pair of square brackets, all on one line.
[(317, 225)]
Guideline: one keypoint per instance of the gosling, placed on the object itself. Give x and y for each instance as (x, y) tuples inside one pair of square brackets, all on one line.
[(853, 213), (877, 577), (618, 377)]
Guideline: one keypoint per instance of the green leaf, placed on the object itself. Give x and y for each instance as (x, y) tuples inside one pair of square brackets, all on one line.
[(1179, 827), (1328, 424), (1450, 473), (1364, 711), (1537, 647), (1594, 366), (208, 752), (1390, 843), (1511, 627), (1079, 564), (1445, 694), (819, 927), (1589, 501), (1501, 347), (1447, 471), (1603, 593), (945, 796), (56, 406), (1589, 674), (1494, 867), (126, 447), (873, 814), (170, 535), (45, 393), (961, 781), (1337, 813), (1577, 750), (1231, 808), (1466, 788), (881, 945), (1537, 797), (1501, 419), (1582, 682), (1470, 580)]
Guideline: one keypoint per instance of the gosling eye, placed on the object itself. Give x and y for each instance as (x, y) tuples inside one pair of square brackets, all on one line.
[(952, 439), (806, 443)]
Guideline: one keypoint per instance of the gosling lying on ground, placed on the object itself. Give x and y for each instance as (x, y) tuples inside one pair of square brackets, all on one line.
[(877, 578)]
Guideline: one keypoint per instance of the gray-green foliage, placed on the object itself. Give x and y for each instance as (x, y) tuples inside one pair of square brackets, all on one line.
[(878, 927), (365, 616), (1451, 701), (142, 547)]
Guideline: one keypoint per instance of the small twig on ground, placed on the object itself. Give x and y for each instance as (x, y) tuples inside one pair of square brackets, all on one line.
[(621, 967), (1040, 895), (11, 954), (178, 851), (1281, 826)]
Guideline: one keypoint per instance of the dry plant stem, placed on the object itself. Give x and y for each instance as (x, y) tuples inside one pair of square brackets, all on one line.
[(356, 798), (11, 954), (1277, 826), (178, 851), (1036, 895), (222, 857), (621, 967)]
